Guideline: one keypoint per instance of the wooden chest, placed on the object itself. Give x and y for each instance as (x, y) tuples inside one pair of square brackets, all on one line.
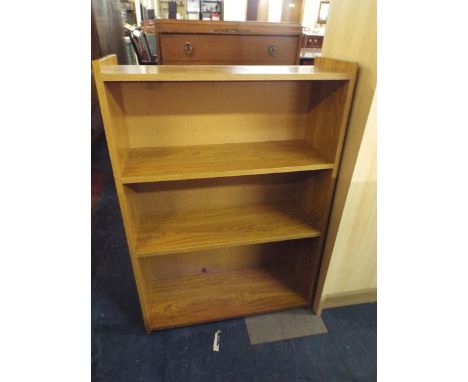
[(227, 43)]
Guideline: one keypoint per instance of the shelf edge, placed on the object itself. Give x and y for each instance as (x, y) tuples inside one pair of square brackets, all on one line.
[(222, 174), (143, 254)]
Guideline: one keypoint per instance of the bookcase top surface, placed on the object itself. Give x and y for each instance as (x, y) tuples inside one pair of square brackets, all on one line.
[(218, 73)]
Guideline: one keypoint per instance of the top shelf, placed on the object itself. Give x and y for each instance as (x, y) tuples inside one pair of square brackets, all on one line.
[(218, 73)]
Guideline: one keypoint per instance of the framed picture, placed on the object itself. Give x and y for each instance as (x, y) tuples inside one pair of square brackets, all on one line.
[(323, 12), (193, 6)]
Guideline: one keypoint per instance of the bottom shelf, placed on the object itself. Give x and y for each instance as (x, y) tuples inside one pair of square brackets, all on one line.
[(202, 298)]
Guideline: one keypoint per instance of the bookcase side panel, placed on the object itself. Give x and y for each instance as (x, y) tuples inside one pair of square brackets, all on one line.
[(113, 116), (330, 105), (110, 99), (326, 108), (315, 198)]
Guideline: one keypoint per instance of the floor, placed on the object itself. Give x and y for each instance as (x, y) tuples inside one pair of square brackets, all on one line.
[(122, 351)]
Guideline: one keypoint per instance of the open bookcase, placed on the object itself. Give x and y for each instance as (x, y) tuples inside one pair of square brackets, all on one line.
[(225, 177)]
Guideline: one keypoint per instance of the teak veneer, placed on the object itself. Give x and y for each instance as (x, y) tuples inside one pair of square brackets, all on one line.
[(229, 159), (222, 227), (225, 177), (196, 299)]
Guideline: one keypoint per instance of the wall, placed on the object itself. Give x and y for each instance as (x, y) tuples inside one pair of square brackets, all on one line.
[(351, 35), (310, 13), (353, 265), (235, 10), (262, 14), (274, 10), (311, 9)]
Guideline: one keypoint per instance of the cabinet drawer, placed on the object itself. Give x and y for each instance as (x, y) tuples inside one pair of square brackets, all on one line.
[(228, 49)]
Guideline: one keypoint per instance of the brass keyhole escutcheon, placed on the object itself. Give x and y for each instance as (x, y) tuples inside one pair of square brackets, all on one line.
[(272, 50), (188, 48)]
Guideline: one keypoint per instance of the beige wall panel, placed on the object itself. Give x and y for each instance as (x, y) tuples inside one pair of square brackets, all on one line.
[(351, 34), (354, 262)]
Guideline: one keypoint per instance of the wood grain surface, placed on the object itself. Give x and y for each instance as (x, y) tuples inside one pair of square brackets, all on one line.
[(218, 73), (196, 299), (223, 172), (210, 161), (224, 227)]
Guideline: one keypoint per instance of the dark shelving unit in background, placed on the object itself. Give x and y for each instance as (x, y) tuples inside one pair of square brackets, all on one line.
[(206, 8)]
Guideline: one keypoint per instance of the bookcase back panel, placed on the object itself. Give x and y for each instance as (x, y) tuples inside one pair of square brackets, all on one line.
[(197, 113), (183, 196), (217, 260)]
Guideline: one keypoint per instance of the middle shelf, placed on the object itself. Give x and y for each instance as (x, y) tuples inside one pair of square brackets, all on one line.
[(222, 227), (219, 160)]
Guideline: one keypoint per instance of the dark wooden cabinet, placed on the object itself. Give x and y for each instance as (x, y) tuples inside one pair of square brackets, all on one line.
[(228, 49), (227, 43), (312, 41)]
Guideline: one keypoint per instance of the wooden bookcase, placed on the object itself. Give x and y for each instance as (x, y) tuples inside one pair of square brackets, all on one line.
[(225, 177)]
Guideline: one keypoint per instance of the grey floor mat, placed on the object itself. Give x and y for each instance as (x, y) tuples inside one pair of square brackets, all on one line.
[(283, 325)]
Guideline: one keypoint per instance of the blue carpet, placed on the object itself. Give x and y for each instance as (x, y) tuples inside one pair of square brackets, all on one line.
[(122, 351)]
